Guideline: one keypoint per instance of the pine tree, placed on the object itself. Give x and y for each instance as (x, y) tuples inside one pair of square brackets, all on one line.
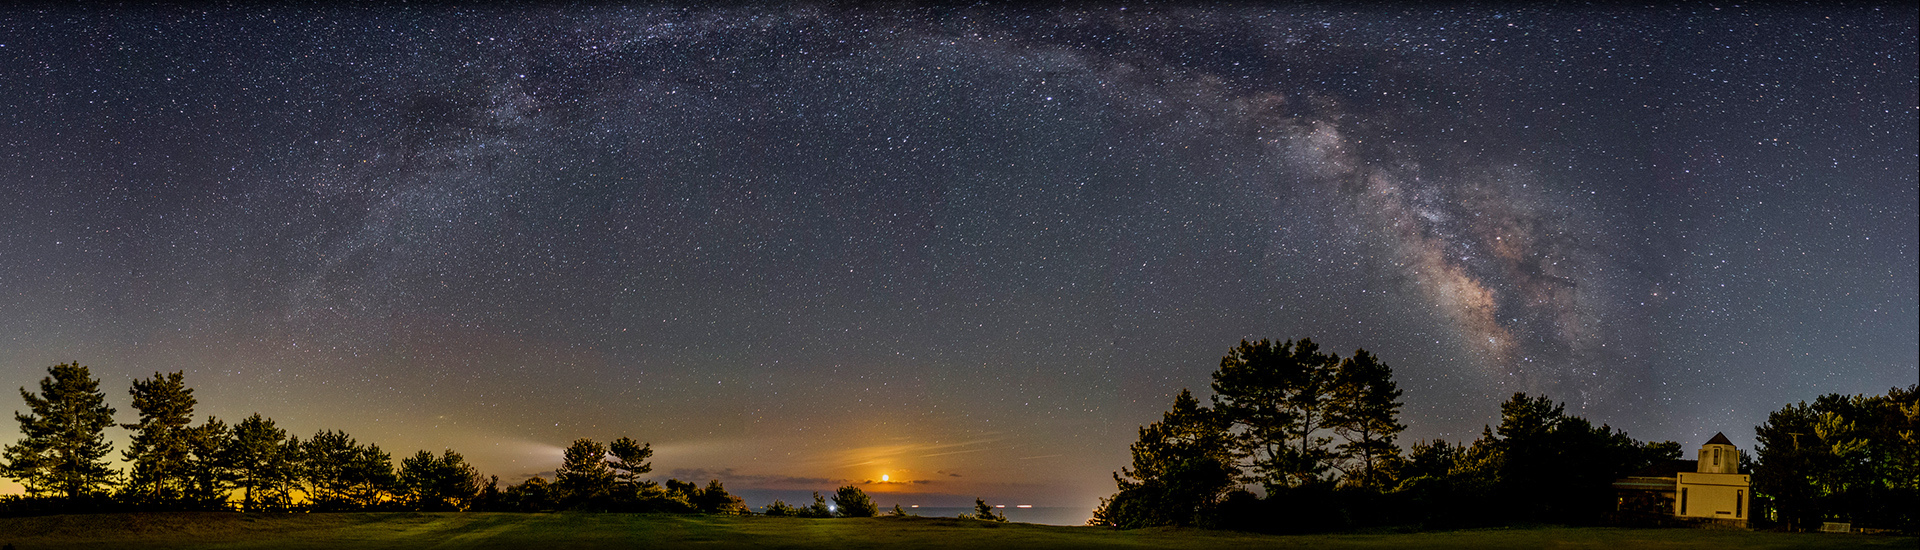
[(984, 512), (1366, 412), (208, 476), (368, 476), (262, 461), (328, 461), (1279, 396), (584, 475), (818, 509), (162, 442), (630, 463), (63, 444), (442, 483), (1181, 466), (716, 500)]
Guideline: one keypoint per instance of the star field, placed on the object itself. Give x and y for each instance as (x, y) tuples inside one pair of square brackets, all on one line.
[(971, 248)]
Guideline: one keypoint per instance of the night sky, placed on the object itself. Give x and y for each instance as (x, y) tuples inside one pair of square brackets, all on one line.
[(972, 249)]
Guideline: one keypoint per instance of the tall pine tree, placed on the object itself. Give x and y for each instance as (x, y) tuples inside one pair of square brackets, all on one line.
[(63, 446), (208, 477), (327, 461), (1366, 413), (1280, 398), (263, 462), (162, 443)]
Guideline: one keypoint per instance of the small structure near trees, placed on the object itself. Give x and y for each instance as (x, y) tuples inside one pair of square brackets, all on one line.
[(1709, 489)]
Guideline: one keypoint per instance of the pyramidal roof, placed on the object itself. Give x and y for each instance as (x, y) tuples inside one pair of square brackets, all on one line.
[(1719, 439)]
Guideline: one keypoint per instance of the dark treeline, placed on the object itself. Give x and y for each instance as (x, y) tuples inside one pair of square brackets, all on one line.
[(1315, 434), (1852, 459), (64, 461)]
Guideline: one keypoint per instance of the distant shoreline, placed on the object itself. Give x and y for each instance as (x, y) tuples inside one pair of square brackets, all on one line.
[(1042, 515)]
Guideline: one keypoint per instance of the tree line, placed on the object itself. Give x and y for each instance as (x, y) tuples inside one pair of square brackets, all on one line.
[(1315, 433), (63, 460), (1852, 459)]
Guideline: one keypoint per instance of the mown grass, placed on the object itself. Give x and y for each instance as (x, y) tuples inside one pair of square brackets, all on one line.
[(587, 531)]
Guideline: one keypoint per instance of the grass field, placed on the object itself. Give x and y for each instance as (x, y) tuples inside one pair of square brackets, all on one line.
[(569, 531)]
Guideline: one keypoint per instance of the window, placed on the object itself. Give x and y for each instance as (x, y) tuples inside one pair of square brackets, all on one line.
[(1716, 457), (1683, 501), (1739, 500)]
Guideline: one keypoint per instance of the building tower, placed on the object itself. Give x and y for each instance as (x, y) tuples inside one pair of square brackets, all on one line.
[(1716, 489), (1719, 456)]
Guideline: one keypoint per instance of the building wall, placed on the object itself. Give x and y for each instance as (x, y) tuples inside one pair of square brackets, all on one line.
[(1704, 495), (1719, 459)]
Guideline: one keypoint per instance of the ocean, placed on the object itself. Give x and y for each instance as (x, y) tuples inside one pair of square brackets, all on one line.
[(1044, 515)]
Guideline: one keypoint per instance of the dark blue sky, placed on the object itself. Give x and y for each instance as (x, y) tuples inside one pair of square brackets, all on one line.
[(973, 248)]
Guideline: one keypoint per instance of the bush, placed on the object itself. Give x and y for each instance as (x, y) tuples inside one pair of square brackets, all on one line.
[(819, 508), (984, 512), (780, 509), (853, 503)]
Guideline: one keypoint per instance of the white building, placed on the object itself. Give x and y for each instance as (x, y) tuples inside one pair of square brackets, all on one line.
[(1717, 489), (1710, 487)]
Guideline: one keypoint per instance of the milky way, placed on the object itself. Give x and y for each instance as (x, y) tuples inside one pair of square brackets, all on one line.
[(972, 248)]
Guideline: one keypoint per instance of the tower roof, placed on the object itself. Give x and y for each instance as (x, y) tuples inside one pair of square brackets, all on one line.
[(1719, 439)]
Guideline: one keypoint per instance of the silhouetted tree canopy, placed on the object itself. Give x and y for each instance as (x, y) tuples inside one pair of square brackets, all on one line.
[(630, 462), (162, 442), (853, 503), (584, 475), (1182, 465), (1278, 411), (1854, 459), (984, 512), (818, 509), (1278, 397), (1365, 412), (63, 445), (263, 462), (441, 483)]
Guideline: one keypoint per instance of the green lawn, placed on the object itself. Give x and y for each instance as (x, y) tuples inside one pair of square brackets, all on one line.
[(569, 531)]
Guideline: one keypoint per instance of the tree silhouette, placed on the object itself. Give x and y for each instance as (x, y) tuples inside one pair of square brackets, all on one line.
[(1366, 413), (780, 509), (263, 462), (716, 500), (340, 473), (208, 476), (1842, 458), (630, 463), (583, 474), (63, 444), (532, 495), (441, 483), (983, 512), (162, 443), (369, 477), (325, 459), (1181, 467), (818, 509), (854, 503), (1278, 395)]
